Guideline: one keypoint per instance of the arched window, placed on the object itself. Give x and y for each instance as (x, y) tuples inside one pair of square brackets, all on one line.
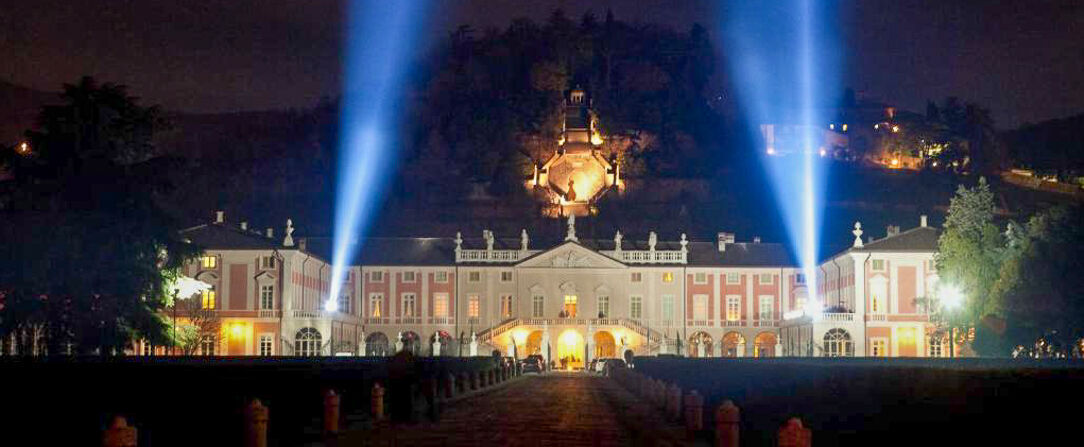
[(837, 343), (308, 342)]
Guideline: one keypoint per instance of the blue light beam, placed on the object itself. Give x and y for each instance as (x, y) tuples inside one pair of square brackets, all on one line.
[(380, 37)]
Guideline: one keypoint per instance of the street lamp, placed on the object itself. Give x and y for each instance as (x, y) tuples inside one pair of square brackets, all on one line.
[(183, 288), (951, 299)]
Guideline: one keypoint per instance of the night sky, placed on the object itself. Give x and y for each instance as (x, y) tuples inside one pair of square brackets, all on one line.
[(1022, 59)]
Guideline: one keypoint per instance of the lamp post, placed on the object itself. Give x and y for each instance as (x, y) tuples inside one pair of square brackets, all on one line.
[(951, 299), (173, 339)]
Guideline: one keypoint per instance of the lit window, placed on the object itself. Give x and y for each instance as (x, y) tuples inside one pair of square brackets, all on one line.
[(700, 278), (570, 306), (637, 277), (209, 262), (878, 265), (875, 305), (474, 276), (506, 306), (668, 307), (668, 277), (440, 305), (442, 276), (207, 345), (733, 308), (935, 346), (148, 348), (764, 278), (732, 278), (208, 299), (267, 262), (766, 308), (879, 348), (409, 277), (538, 306), (267, 297), (844, 127), (376, 305), (409, 301), (473, 306), (636, 307), (376, 276), (266, 346), (603, 306), (506, 276), (700, 307)]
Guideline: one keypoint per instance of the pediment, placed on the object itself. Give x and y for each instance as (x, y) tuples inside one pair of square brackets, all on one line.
[(570, 255)]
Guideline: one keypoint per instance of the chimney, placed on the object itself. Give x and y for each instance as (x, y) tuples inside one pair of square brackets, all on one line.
[(302, 243), (725, 238), (922, 220), (244, 226), (892, 230), (270, 233), (756, 239), (220, 216)]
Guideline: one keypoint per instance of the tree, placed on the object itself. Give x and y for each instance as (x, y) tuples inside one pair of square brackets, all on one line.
[(970, 252), (87, 251), (1040, 282), (201, 324)]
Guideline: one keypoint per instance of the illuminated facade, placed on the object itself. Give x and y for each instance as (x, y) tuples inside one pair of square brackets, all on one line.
[(572, 299)]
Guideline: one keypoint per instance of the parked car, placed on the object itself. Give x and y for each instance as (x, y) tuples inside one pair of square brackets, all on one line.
[(597, 365), (533, 363), (612, 364)]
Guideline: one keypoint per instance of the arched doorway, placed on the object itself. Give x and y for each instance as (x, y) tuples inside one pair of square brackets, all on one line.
[(605, 346), (308, 342), (730, 344), (412, 342), (534, 344), (700, 345), (764, 345), (570, 350), (376, 344), (837, 343)]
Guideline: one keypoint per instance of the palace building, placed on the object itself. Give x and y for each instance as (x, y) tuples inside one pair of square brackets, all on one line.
[(569, 300)]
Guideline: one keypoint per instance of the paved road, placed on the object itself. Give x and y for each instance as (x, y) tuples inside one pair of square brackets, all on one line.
[(558, 409)]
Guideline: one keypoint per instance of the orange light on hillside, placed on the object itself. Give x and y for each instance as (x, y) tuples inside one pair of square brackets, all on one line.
[(895, 162)]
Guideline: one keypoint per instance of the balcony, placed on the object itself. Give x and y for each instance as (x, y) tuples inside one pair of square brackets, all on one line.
[(837, 317), (269, 313), (309, 314), (648, 256), (492, 256)]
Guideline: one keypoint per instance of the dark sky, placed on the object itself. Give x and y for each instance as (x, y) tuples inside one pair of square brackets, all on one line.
[(1022, 59)]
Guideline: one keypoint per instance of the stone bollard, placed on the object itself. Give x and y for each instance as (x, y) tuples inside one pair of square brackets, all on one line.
[(727, 417), (119, 434), (376, 408), (660, 394), (793, 434), (673, 402), (462, 383), (331, 412), (694, 412), (449, 386), (256, 416), (474, 379), (491, 377)]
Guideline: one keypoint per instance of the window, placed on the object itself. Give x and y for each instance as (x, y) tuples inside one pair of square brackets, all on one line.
[(637, 277), (265, 346), (208, 299), (764, 278), (267, 297), (474, 276), (668, 307), (207, 345), (440, 305), (308, 342), (148, 348), (700, 278), (935, 346), (344, 304), (700, 307), (506, 276), (538, 306), (668, 277), (570, 306), (636, 307), (875, 304), (409, 301), (209, 262), (766, 308), (376, 276), (267, 262), (799, 278), (441, 277), (603, 306), (506, 306), (879, 347), (733, 308), (733, 278), (878, 265), (474, 306), (409, 277), (837, 343), (376, 305)]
